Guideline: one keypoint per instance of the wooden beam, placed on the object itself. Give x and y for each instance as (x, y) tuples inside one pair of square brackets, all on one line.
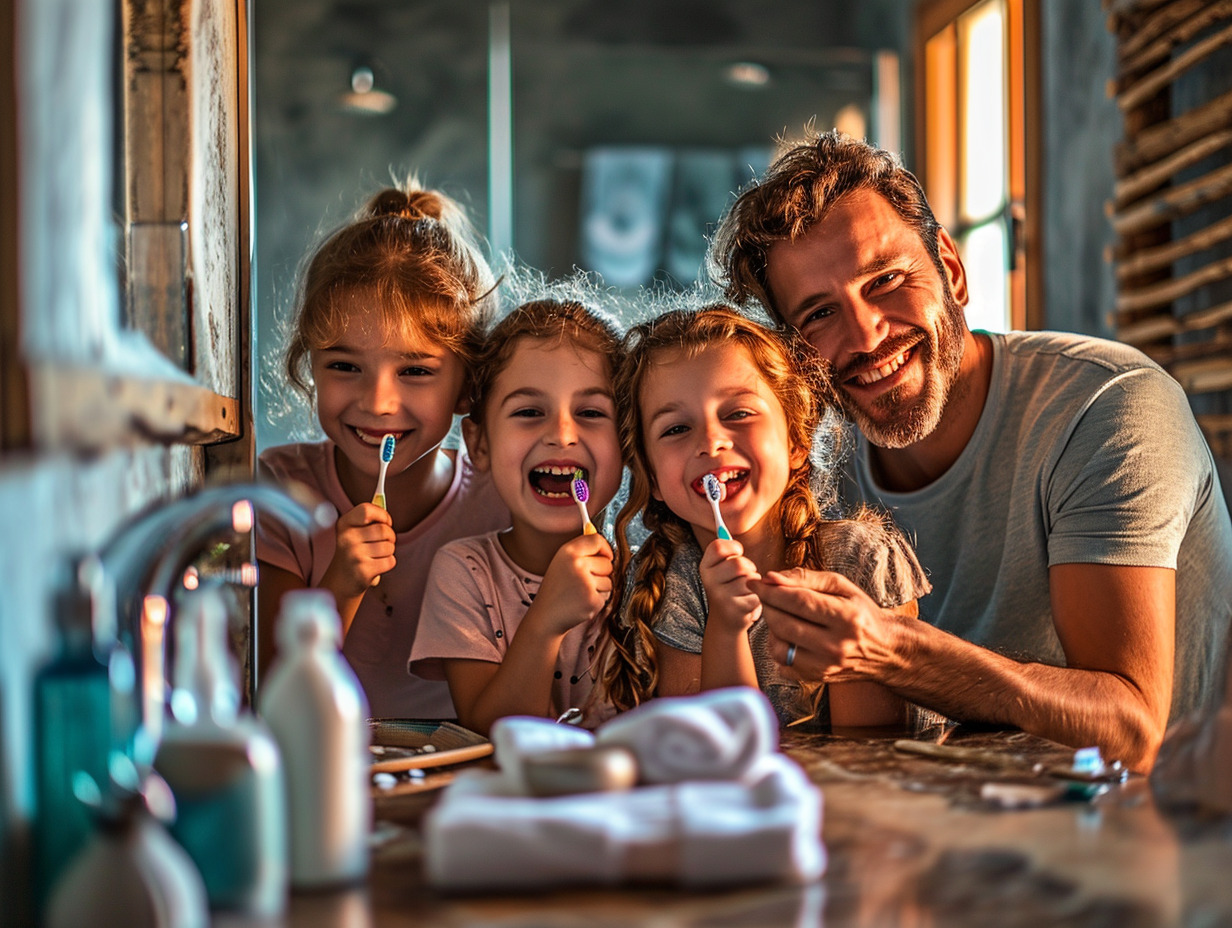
[(1146, 260), (1174, 202), (1153, 176), (1131, 302), (1156, 24), (87, 408), (1142, 89), (1158, 139), (1178, 35)]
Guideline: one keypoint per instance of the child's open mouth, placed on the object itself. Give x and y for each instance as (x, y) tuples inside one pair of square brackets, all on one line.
[(552, 480), (732, 479)]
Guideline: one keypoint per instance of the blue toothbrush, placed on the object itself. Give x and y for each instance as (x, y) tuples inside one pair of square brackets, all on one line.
[(387, 455), (715, 492)]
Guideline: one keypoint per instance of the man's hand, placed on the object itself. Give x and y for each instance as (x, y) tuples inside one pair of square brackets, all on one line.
[(839, 632)]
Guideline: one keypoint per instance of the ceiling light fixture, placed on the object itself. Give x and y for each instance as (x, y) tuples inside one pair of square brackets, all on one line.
[(364, 98), (748, 74)]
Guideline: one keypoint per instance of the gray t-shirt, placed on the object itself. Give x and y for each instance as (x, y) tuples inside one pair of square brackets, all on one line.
[(869, 551), (1086, 452)]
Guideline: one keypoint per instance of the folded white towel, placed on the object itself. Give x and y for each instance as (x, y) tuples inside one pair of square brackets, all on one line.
[(698, 834), (727, 808), (717, 735)]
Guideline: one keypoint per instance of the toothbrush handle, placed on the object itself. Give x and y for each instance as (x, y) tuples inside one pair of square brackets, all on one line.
[(378, 499), (723, 532), (588, 527)]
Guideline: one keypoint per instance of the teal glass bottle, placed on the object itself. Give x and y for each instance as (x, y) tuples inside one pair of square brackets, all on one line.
[(85, 709)]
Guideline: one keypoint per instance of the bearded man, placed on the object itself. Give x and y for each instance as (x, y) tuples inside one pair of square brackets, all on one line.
[(1061, 496)]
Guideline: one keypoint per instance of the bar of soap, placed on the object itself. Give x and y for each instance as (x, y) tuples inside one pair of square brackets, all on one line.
[(598, 769)]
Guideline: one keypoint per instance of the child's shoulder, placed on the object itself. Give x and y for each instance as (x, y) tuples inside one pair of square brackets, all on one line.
[(305, 461), (871, 551)]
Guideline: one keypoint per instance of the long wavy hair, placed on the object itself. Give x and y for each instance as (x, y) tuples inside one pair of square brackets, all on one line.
[(799, 382)]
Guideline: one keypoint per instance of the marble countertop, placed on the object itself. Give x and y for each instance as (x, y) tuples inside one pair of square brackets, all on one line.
[(910, 842)]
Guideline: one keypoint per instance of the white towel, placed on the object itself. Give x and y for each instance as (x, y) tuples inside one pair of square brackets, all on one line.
[(519, 736), (727, 807), (717, 735), (696, 834)]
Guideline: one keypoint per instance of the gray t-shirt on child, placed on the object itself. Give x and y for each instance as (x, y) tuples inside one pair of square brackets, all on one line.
[(869, 551), (1086, 452)]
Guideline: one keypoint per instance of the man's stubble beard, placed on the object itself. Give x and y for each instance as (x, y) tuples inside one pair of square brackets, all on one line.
[(941, 357)]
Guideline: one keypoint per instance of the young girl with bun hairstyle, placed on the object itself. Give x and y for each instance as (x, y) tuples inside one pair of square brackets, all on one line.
[(390, 313)]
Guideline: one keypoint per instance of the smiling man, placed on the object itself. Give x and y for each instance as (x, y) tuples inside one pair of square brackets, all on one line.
[(1059, 491)]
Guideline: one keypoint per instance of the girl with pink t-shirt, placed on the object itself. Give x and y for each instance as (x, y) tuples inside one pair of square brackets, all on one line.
[(389, 319), (511, 619)]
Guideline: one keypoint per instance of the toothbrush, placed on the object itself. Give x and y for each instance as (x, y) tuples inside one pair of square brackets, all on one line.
[(715, 492), (387, 455), (581, 493)]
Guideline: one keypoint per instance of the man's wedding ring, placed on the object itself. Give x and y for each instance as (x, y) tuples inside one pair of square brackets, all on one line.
[(791, 655)]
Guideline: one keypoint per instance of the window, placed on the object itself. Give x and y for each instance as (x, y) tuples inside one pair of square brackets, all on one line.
[(972, 103)]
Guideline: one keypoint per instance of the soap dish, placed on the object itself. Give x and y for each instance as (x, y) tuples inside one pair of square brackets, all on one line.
[(417, 744)]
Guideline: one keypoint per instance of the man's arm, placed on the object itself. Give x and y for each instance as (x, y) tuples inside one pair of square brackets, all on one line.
[(1116, 625)]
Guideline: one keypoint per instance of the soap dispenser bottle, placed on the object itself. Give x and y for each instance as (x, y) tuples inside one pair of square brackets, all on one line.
[(130, 873), (223, 768), (85, 710), (317, 711)]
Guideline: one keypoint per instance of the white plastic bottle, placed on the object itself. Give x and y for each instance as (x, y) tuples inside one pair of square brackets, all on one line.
[(314, 705), (223, 766)]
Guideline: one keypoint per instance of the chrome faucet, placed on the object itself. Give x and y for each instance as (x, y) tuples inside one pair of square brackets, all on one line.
[(147, 555)]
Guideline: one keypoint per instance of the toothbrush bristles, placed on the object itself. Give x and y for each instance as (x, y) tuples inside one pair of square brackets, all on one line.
[(581, 493)]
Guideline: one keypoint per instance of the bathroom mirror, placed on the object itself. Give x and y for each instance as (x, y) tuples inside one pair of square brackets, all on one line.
[(603, 134)]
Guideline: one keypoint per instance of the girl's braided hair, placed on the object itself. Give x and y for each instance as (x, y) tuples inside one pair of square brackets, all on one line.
[(799, 382)]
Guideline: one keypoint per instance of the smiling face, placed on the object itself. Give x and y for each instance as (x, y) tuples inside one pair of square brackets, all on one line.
[(714, 413), (549, 412), (368, 385), (863, 290)]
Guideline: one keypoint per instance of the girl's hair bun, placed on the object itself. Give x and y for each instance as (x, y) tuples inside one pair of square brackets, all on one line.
[(412, 202)]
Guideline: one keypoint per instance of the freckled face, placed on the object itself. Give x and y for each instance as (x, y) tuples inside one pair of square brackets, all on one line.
[(715, 414), (370, 384), (861, 287), (550, 412)]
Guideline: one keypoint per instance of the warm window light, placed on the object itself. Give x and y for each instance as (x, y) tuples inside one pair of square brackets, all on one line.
[(850, 121)]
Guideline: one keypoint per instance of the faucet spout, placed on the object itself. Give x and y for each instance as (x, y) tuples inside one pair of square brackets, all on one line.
[(147, 555)]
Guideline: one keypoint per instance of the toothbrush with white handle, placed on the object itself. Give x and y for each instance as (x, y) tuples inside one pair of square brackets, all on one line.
[(387, 455), (581, 493), (715, 492)]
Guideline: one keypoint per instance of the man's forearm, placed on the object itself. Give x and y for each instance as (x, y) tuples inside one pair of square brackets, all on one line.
[(1068, 705)]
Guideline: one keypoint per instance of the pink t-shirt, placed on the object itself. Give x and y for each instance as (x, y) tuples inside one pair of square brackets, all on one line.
[(475, 600), (379, 641)]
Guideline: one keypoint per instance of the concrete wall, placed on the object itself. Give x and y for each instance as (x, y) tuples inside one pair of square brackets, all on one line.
[(1080, 128)]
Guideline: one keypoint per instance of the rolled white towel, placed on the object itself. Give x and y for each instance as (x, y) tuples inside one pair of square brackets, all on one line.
[(519, 736), (718, 735)]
